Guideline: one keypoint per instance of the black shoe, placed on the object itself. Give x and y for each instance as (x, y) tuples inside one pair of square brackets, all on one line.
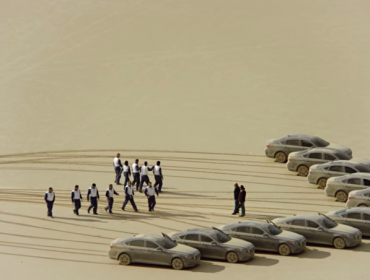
[(95, 213), (105, 209), (110, 212), (74, 211), (136, 210), (123, 209), (241, 215), (234, 213), (88, 211)]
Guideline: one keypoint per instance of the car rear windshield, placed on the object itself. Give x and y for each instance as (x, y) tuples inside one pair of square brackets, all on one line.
[(328, 223), (362, 168), (320, 142), (343, 156), (222, 238), (274, 230), (167, 244)]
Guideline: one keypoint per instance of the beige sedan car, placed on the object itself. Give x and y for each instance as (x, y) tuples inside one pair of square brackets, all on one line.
[(359, 198)]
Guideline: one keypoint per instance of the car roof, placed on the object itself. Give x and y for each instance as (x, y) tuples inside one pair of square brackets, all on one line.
[(350, 210), (356, 192), (149, 237), (313, 217), (301, 136), (208, 231), (259, 224), (353, 175), (320, 150)]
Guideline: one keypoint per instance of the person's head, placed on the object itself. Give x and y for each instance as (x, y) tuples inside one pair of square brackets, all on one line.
[(129, 183), (93, 186), (158, 163), (136, 161), (242, 187), (150, 184), (118, 155), (110, 186), (236, 185), (50, 189), (145, 163), (76, 187), (126, 162)]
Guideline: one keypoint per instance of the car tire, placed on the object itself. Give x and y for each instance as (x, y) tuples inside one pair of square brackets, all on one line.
[(322, 183), (177, 264), (302, 170), (232, 257), (362, 205), (280, 157), (284, 250), (341, 196), (124, 259), (339, 243)]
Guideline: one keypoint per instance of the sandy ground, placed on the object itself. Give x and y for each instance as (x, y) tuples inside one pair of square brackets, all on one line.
[(199, 85)]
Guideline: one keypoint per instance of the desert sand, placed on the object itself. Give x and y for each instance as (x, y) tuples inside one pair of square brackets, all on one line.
[(200, 85)]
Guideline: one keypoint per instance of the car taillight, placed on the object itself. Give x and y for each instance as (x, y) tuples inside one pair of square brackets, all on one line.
[(290, 159), (350, 197), (268, 146), (111, 246)]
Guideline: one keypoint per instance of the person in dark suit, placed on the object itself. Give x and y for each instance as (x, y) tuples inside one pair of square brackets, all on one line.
[(93, 196), (150, 192), (129, 192), (110, 194), (158, 176), (241, 199), (76, 198), (126, 173), (117, 168), (49, 199), (236, 199)]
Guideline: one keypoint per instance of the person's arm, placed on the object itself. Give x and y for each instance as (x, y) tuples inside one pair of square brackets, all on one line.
[(107, 193), (72, 196), (137, 167), (160, 172), (97, 194), (54, 198), (88, 194), (116, 193), (129, 171), (126, 191), (119, 163), (156, 191), (46, 197), (80, 196), (150, 168), (146, 192)]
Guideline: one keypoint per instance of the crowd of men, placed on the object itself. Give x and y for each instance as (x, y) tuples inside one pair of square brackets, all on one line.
[(140, 176)]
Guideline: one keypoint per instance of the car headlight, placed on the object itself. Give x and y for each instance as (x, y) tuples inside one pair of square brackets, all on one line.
[(348, 235), (187, 256), (293, 242), (241, 250)]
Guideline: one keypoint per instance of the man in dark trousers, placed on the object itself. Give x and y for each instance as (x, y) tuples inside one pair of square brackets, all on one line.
[(129, 192), (76, 198), (117, 168), (158, 176), (236, 199), (150, 192), (144, 175), (136, 174), (241, 199), (110, 194), (126, 173), (93, 195), (49, 199)]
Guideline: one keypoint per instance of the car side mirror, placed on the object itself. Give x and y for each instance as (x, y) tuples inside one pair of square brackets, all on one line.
[(214, 243), (265, 235), (159, 249), (320, 228)]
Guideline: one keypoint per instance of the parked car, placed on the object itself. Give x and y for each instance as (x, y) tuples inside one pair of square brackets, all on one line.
[(215, 244), (282, 147), (153, 249), (319, 229), (340, 187), (359, 198), (266, 236), (319, 173), (358, 217), (301, 161)]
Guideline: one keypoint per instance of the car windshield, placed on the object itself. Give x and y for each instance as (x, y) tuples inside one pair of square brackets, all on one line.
[(274, 230), (222, 238), (328, 223), (320, 142), (167, 244)]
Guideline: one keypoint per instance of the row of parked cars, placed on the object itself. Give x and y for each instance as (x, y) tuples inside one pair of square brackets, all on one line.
[(329, 166), (238, 241)]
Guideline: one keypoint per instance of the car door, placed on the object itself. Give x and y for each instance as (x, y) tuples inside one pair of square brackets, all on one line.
[(354, 183), (328, 157), (192, 240), (155, 254), (317, 233), (305, 145), (335, 170), (354, 219), (315, 158), (137, 250), (210, 248), (292, 145), (262, 239), (366, 218), (298, 226)]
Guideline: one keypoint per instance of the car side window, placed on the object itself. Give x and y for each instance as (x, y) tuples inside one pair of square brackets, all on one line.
[(137, 243), (311, 224), (305, 143), (355, 181), (315, 155), (301, 223), (336, 168), (366, 182), (350, 170), (257, 231), (292, 142), (243, 229), (354, 216), (205, 238), (367, 217), (329, 157), (152, 245), (192, 237)]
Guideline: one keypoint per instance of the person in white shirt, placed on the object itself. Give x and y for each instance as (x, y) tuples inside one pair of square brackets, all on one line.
[(49, 199), (93, 196), (76, 199), (136, 174), (129, 192), (117, 168), (158, 176), (109, 194), (126, 173), (144, 175), (150, 192)]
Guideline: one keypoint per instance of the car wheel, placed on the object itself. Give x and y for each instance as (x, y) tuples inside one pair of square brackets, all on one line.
[(339, 243), (280, 157), (362, 205), (232, 257), (322, 183), (341, 196), (177, 264), (284, 250), (302, 170), (124, 259)]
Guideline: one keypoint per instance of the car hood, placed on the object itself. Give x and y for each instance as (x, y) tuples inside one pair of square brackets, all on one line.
[(235, 242), (340, 147), (183, 249), (345, 229), (288, 235)]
